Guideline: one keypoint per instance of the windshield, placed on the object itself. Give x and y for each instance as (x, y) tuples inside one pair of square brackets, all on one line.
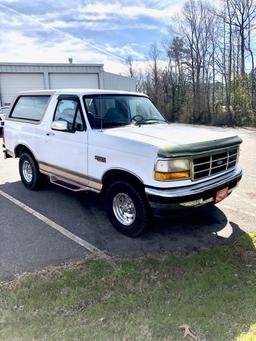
[(108, 111)]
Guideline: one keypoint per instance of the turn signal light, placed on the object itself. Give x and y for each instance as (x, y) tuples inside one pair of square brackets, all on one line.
[(172, 176)]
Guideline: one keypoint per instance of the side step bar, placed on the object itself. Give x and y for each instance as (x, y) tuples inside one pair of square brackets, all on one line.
[(72, 186)]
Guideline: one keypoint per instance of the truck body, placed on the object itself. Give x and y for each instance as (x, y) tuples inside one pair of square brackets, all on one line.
[(118, 144)]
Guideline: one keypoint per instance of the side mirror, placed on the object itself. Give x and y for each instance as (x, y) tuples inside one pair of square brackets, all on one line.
[(60, 125)]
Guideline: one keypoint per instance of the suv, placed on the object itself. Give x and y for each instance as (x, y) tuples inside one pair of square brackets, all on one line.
[(118, 144)]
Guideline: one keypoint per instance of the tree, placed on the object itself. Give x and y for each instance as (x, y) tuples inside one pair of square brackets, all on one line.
[(154, 55), (130, 64), (206, 77), (178, 61), (244, 12)]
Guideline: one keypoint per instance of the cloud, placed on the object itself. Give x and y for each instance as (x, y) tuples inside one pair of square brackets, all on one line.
[(34, 27), (132, 11), (124, 51), (100, 26), (9, 1), (97, 32), (112, 16), (22, 48), (99, 10)]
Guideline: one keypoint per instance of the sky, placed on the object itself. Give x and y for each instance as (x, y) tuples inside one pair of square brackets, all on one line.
[(99, 31)]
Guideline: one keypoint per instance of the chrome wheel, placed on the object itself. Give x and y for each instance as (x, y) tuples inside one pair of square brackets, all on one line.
[(124, 209), (27, 171)]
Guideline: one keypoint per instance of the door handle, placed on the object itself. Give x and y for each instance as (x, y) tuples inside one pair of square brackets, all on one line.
[(50, 134)]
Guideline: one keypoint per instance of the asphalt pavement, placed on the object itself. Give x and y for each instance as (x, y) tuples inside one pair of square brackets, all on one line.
[(73, 224)]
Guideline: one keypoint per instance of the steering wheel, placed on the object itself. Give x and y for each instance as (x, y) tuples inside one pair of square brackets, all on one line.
[(137, 118)]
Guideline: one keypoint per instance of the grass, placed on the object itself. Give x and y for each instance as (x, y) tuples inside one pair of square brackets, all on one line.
[(213, 291)]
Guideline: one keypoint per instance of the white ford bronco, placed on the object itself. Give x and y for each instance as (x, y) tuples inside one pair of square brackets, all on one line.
[(118, 144)]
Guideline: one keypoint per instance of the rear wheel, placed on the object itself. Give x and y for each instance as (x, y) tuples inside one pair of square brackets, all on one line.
[(127, 209), (29, 172)]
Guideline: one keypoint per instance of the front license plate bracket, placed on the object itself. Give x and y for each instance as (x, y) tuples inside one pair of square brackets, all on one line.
[(221, 194)]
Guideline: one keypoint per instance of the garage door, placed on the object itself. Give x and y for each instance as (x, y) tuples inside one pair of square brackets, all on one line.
[(74, 80), (11, 83)]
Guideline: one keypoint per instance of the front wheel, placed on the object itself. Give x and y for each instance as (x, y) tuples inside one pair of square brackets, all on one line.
[(29, 172), (127, 209)]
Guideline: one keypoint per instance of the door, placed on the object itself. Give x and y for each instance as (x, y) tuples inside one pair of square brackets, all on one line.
[(11, 83), (65, 152), (74, 80)]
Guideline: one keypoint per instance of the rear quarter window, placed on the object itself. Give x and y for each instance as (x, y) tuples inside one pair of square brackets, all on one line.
[(30, 108)]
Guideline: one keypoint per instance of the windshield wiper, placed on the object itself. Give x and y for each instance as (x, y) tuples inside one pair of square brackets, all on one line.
[(150, 121), (154, 120)]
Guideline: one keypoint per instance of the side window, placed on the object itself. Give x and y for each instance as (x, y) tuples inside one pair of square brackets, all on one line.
[(30, 108), (68, 110)]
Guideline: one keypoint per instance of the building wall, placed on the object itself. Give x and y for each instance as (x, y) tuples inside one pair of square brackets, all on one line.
[(117, 82), (25, 76)]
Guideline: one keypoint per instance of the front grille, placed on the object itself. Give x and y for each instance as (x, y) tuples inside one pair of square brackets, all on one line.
[(214, 163)]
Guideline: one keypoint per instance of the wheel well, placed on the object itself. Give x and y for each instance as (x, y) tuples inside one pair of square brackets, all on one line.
[(20, 149), (120, 175)]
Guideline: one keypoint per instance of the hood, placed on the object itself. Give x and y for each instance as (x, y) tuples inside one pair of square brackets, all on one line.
[(178, 139)]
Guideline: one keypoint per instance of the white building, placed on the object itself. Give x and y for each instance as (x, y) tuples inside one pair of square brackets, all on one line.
[(15, 77)]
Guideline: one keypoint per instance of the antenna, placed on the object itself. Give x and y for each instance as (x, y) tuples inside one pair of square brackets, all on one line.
[(101, 119)]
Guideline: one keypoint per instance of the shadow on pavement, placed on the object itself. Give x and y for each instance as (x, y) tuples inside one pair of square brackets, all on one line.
[(83, 214)]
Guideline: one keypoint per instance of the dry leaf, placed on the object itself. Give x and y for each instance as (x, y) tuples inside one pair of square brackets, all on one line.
[(188, 331)]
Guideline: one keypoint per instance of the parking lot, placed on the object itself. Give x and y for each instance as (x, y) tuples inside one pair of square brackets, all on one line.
[(54, 225)]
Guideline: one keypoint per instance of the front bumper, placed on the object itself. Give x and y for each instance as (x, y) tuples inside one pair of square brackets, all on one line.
[(198, 194)]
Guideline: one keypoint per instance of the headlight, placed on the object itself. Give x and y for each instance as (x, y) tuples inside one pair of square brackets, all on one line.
[(172, 169)]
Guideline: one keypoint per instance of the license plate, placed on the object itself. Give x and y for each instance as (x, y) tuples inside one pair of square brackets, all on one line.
[(221, 194)]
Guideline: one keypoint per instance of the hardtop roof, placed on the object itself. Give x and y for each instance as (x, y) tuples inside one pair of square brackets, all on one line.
[(79, 92)]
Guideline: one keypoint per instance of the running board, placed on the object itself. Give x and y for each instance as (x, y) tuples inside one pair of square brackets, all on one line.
[(72, 186)]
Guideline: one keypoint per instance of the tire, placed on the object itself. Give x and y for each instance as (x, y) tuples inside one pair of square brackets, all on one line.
[(29, 172), (134, 222)]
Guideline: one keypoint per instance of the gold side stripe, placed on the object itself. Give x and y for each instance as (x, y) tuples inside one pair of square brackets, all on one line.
[(70, 175)]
